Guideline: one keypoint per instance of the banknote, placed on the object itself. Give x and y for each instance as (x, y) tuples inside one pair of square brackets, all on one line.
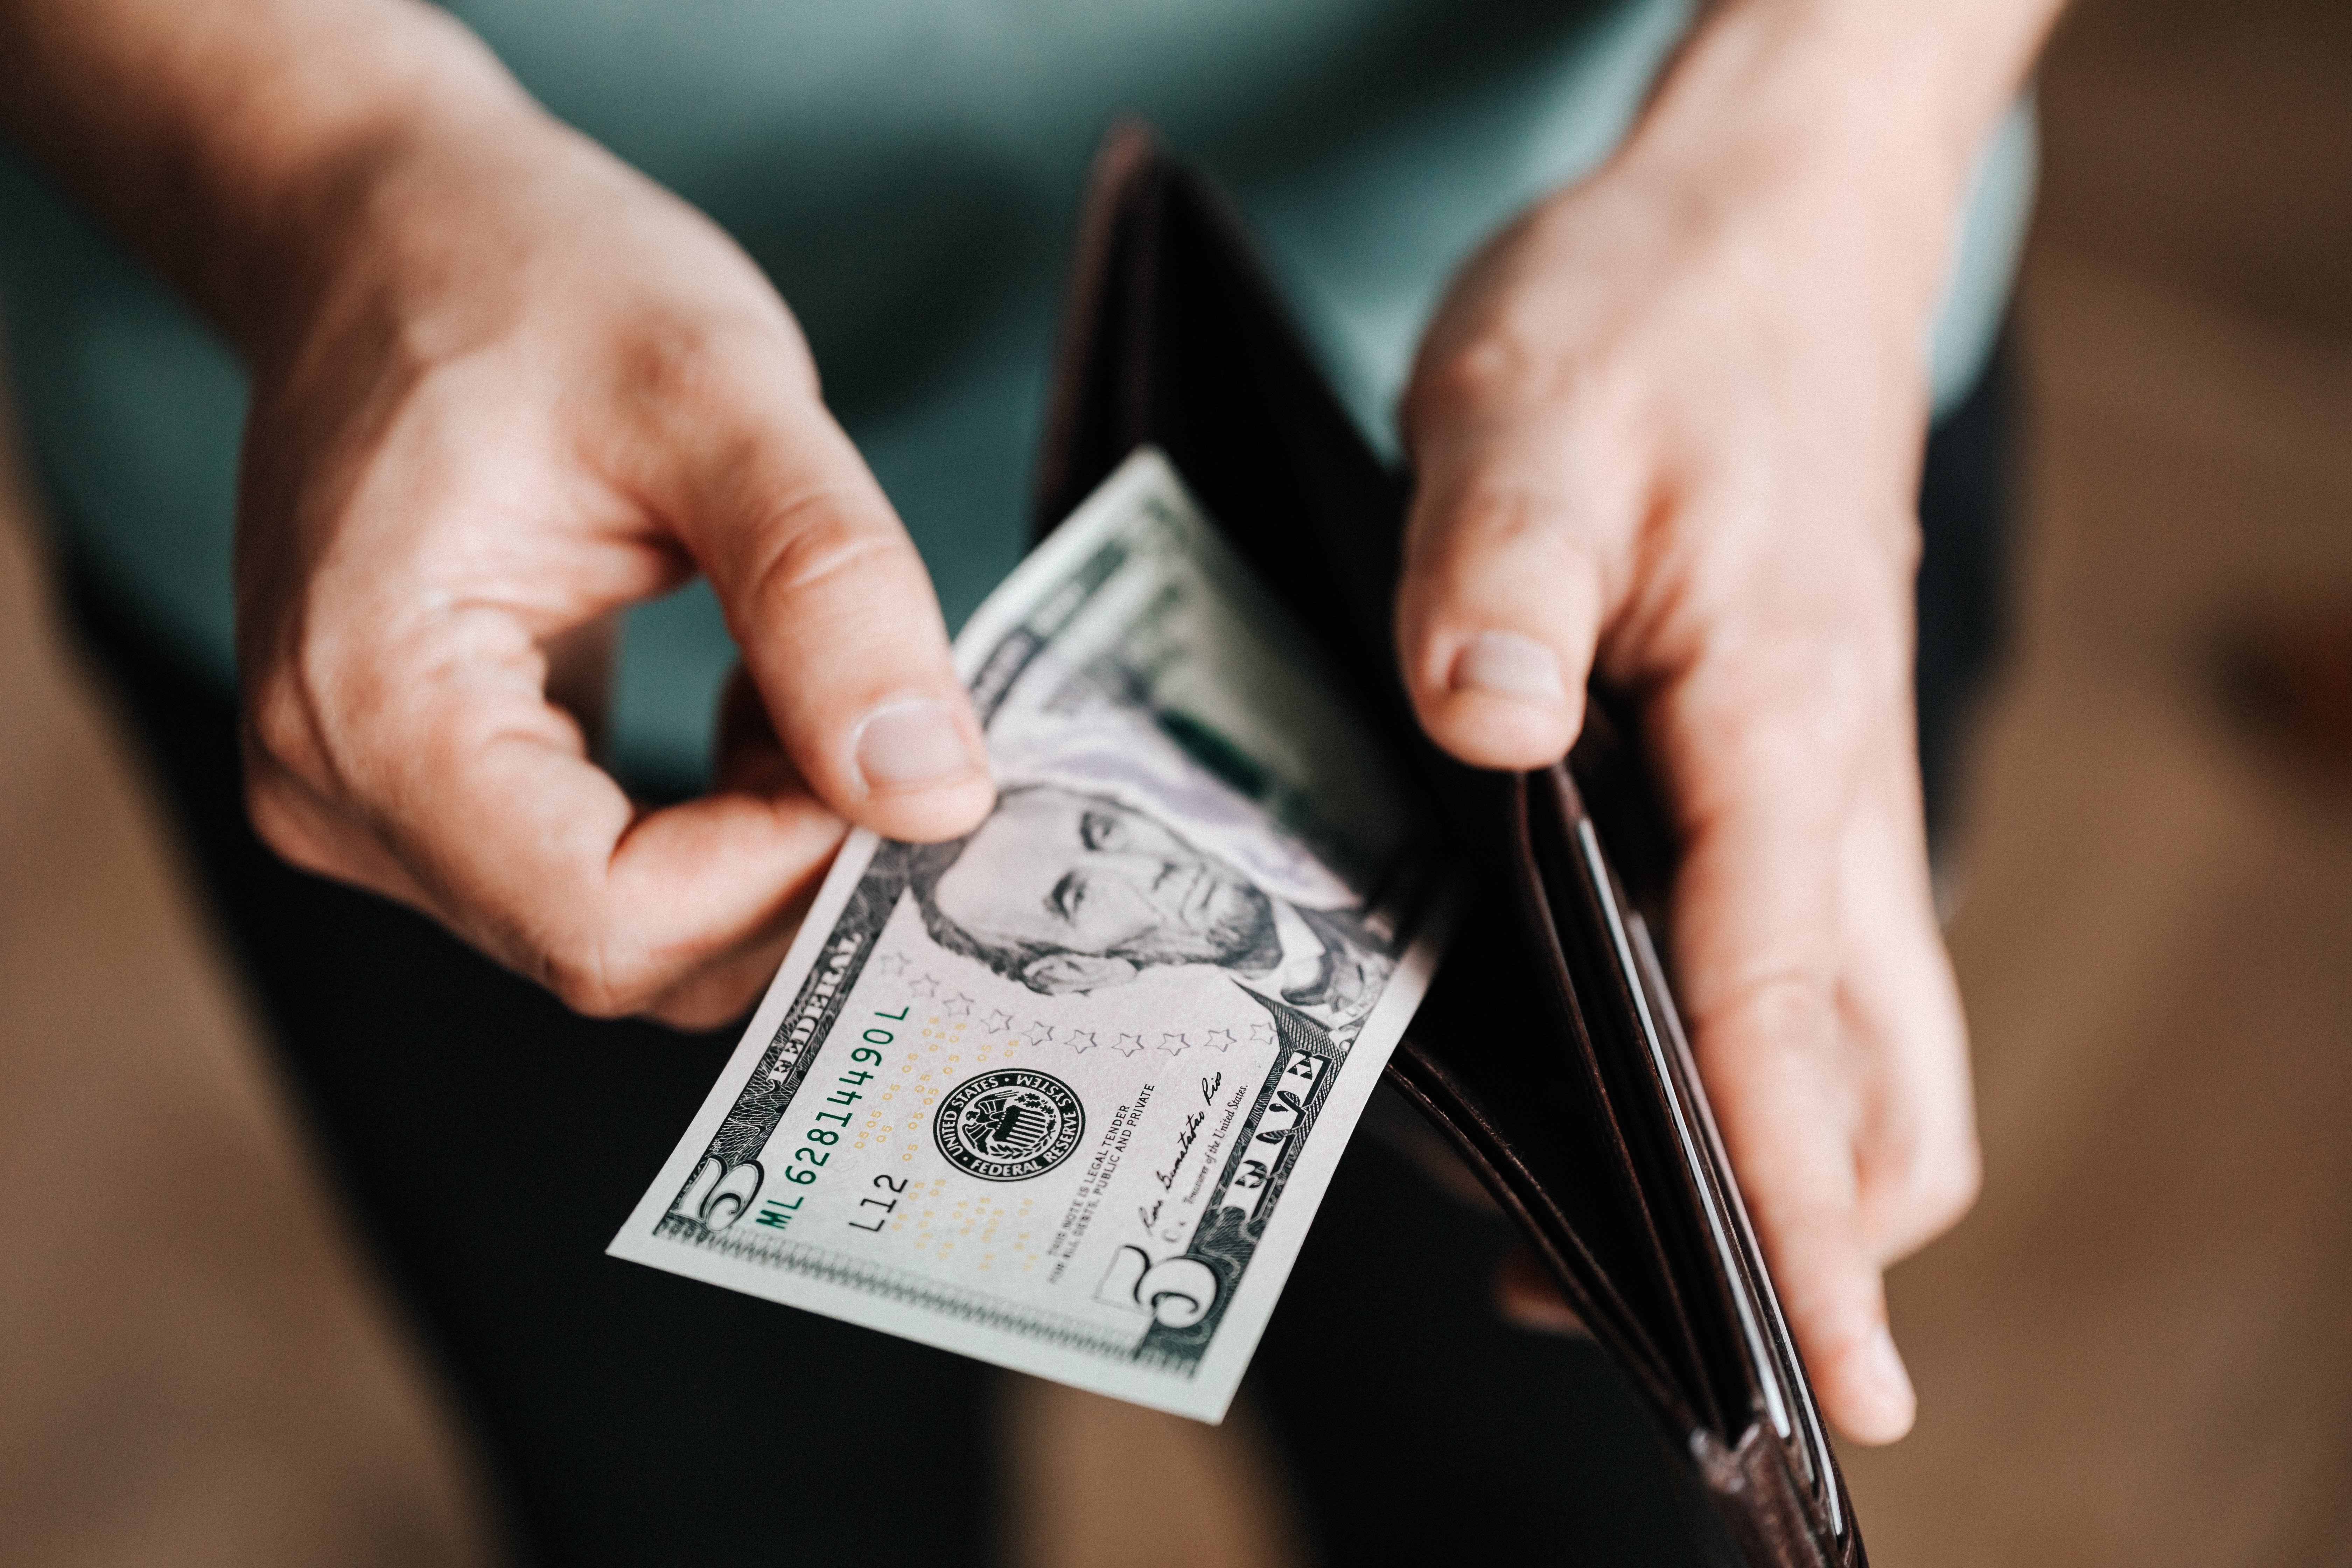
[(1064, 1094)]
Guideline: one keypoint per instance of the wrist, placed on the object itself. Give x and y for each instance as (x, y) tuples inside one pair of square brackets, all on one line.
[(1851, 128), (305, 177)]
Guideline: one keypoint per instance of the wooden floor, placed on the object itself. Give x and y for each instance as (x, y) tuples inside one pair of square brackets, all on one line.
[(2138, 1350), (193, 1369)]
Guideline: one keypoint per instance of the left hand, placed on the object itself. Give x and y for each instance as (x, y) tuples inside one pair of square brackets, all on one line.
[(1670, 425)]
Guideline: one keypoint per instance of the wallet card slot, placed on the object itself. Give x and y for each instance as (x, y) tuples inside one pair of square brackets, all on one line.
[(1572, 880), (1606, 778), (1766, 1325), (1501, 1063), (1566, 945), (1687, 1144), (1678, 1093)]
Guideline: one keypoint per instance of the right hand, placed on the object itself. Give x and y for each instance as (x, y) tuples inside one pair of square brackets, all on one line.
[(516, 387)]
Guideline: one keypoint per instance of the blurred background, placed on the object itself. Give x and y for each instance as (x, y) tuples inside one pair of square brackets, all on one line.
[(2138, 1348)]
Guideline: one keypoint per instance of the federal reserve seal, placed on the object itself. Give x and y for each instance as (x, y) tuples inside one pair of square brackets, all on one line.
[(1009, 1124)]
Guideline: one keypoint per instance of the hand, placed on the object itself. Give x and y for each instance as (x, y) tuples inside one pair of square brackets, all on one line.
[(1671, 422), (518, 388)]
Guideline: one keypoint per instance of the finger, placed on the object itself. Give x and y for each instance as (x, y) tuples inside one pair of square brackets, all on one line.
[(1503, 591), (1917, 1160), (749, 760), (1527, 1296), (726, 988), (1784, 1116), (310, 832), (1761, 746), (471, 795), (831, 607)]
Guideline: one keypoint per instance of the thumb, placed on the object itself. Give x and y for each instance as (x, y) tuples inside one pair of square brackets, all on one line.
[(834, 615), (1501, 599)]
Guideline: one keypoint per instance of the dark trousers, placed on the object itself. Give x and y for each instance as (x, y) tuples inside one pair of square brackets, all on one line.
[(489, 1143)]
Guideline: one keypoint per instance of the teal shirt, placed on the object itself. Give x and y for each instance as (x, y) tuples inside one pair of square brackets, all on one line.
[(907, 174)]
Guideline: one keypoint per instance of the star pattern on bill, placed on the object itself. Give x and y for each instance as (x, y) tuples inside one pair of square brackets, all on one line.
[(1171, 1042), (925, 985), (957, 1006), (999, 1020), (1261, 1033), (1082, 1039), (1128, 1045), (890, 966), (1041, 1033), (1223, 1039)]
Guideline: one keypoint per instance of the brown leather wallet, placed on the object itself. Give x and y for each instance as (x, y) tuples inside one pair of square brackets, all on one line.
[(1548, 1052)]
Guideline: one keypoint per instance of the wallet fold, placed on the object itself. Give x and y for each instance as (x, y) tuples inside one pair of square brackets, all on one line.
[(1548, 1053)]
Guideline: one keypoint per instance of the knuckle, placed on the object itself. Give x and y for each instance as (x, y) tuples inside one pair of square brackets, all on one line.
[(1794, 1005), (1944, 1185), (1503, 544), (284, 725), (705, 366), (1920, 1181), (587, 975), (1789, 1012), (1801, 695), (1505, 520), (816, 545), (702, 1002), (275, 808), (1779, 627), (1819, 663), (278, 723), (1504, 366)]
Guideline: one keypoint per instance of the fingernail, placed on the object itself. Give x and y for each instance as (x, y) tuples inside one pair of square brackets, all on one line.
[(907, 744), (1882, 1364), (1505, 664)]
